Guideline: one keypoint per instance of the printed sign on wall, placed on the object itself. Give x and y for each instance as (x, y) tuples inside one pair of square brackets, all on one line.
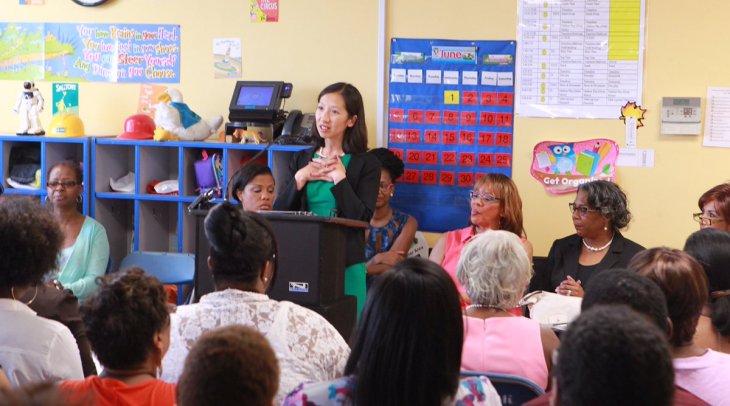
[(450, 121), (562, 166)]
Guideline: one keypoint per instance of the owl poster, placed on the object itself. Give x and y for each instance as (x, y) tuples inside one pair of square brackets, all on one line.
[(562, 166)]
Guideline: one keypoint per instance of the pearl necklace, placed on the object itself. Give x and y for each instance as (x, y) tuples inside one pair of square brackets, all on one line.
[(483, 306), (597, 249)]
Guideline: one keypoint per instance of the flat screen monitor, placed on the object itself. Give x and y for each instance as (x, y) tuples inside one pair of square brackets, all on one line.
[(257, 101)]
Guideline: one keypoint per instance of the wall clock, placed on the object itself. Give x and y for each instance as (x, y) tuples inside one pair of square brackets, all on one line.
[(90, 3)]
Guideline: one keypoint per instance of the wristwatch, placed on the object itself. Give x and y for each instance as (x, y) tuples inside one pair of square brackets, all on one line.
[(90, 3)]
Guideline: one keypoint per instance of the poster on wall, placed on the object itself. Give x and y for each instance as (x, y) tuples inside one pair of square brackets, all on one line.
[(450, 120), (264, 11), (563, 166), (125, 53), (579, 59), (227, 58), (65, 98)]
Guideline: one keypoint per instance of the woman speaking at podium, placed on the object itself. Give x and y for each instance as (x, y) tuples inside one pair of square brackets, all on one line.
[(336, 176)]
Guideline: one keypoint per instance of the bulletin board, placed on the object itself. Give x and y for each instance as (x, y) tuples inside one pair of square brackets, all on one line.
[(450, 119)]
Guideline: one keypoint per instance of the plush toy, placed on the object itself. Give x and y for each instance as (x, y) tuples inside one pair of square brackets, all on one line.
[(28, 107), (175, 120)]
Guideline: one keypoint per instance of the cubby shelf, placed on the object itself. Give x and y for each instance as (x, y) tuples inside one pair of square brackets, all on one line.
[(52, 151), (150, 222)]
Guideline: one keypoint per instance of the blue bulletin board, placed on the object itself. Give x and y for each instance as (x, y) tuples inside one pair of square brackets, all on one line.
[(450, 117)]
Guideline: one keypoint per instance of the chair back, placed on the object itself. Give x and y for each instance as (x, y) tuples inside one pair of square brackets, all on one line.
[(513, 390), (171, 268)]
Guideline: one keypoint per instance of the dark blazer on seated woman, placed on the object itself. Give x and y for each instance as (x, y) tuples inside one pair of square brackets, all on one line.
[(355, 196), (563, 261)]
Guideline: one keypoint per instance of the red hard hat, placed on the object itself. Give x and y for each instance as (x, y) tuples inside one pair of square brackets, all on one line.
[(138, 127)]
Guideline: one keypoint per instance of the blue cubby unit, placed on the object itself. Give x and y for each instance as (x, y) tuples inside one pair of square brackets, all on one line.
[(52, 151), (144, 221)]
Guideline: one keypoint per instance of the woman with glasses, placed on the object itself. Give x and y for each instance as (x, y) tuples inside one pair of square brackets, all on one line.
[(495, 205), (599, 212), (84, 254), (243, 264), (390, 233), (715, 206)]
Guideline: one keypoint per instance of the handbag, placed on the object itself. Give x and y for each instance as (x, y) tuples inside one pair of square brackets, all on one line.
[(209, 173), (556, 311)]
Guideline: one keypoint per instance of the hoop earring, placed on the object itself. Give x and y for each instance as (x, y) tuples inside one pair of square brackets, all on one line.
[(12, 293), (79, 199), (47, 200)]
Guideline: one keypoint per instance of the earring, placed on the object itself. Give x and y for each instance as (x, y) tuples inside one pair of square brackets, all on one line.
[(391, 194), (605, 228), (47, 200), (266, 279), (79, 199)]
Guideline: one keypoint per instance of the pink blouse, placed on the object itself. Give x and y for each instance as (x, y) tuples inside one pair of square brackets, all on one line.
[(505, 345), (455, 241)]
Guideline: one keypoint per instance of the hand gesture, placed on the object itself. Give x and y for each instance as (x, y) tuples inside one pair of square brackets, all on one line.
[(570, 287)]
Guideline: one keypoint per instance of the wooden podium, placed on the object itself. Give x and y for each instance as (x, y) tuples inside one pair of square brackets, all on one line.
[(311, 264)]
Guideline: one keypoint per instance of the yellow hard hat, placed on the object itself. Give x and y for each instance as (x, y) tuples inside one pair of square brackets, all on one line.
[(66, 125)]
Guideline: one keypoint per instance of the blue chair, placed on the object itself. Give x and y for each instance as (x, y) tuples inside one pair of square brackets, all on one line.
[(513, 390), (171, 268)]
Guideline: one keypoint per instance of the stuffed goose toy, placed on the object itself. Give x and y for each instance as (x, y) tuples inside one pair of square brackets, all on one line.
[(176, 121)]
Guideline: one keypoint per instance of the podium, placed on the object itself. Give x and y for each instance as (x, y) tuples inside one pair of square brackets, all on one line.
[(311, 264)]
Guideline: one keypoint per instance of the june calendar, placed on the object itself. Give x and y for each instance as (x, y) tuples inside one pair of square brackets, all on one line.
[(450, 119)]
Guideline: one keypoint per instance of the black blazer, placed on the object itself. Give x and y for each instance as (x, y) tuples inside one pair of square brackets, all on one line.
[(355, 196), (563, 260)]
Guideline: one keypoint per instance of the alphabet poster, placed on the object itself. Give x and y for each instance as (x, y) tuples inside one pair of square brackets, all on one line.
[(562, 166), (450, 121)]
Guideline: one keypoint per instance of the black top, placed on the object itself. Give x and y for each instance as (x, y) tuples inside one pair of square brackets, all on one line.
[(563, 261), (355, 196)]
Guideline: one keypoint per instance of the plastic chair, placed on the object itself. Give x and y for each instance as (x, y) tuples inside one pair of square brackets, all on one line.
[(171, 268), (513, 390)]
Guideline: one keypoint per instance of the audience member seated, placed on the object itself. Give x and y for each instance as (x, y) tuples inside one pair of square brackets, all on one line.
[(129, 328), (711, 248), (699, 370), (61, 305), (612, 355), (623, 287), (243, 263), (232, 365), (407, 348), (253, 186), (390, 233), (599, 212), (715, 208), (495, 205), (85, 251), (32, 348), (495, 271)]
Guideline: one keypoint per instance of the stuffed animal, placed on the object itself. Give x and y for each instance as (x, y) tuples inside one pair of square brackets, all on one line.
[(175, 120)]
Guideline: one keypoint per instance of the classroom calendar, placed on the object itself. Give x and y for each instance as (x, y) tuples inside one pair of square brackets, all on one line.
[(579, 58), (450, 116)]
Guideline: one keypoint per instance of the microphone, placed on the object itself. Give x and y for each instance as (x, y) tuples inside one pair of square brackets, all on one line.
[(205, 197), (229, 194)]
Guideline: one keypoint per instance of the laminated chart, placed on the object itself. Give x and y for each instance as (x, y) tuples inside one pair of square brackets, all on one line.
[(450, 112), (579, 58)]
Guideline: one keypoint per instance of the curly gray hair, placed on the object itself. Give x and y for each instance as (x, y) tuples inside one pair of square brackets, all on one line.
[(495, 269)]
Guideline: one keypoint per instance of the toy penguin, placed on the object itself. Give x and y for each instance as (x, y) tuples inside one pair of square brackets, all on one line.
[(29, 106)]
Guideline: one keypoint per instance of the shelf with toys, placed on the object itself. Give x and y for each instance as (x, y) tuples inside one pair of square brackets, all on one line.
[(27, 159), (140, 218)]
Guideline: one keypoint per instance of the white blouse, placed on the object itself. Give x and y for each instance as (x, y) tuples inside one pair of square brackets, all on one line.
[(307, 346)]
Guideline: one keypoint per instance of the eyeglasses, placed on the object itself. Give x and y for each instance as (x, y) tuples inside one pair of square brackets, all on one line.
[(582, 210), (385, 186), (484, 197), (705, 220), (66, 184)]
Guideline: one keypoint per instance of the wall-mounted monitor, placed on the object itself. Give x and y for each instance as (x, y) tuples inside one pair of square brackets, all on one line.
[(257, 101)]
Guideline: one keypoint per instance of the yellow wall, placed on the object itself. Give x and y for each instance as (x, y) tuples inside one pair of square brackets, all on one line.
[(319, 42), (686, 51)]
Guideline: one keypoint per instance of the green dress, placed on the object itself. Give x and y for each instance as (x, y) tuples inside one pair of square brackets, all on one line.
[(322, 203)]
